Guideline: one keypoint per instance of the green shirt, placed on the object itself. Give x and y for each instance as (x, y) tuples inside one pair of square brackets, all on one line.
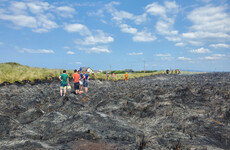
[(64, 78)]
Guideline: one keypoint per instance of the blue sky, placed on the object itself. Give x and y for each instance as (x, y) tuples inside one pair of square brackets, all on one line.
[(188, 35)]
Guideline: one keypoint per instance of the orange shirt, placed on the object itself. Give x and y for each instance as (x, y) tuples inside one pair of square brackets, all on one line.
[(126, 75), (76, 77)]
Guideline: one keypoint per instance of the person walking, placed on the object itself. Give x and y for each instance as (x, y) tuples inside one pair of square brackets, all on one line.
[(64, 78), (85, 81), (76, 77)]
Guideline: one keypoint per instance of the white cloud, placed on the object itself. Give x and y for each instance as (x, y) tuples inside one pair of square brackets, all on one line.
[(33, 51), (210, 18), (144, 36), (140, 19), (66, 11), (1, 43), (163, 55), (94, 38), (180, 44), (35, 15), (38, 7), (219, 55), (127, 29), (119, 15), (183, 58), (134, 53), (97, 13), (20, 20), (66, 47), (167, 15), (173, 38), (205, 35), (45, 24), (98, 49), (155, 9), (196, 43), (210, 23), (205, 1), (103, 21), (200, 50), (165, 28), (80, 28), (40, 30), (220, 45), (171, 6), (99, 38), (78, 63), (210, 58), (214, 57), (110, 6), (70, 53), (18, 7)]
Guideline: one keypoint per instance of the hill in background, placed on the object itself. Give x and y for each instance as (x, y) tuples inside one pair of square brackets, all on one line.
[(12, 71)]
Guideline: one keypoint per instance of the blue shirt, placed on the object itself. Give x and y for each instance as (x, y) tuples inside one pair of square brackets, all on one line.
[(81, 75), (86, 77)]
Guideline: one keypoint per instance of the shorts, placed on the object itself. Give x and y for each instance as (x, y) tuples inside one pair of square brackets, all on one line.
[(85, 84), (126, 78), (63, 86), (76, 86), (81, 82)]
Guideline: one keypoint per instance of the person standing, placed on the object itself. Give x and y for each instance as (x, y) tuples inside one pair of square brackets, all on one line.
[(107, 76), (177, 71), (81, 82), (126, 76), (167, 71), (113, 75), (76, 77), (85, 81), (64, 78), (93, 76)]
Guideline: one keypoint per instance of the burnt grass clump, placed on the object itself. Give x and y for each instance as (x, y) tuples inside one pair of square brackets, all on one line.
[(156, 112)]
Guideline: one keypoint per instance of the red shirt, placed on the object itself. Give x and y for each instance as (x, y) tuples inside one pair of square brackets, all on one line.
[(76, 77)]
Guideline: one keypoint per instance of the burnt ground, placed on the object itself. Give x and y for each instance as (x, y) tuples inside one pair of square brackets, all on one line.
[(159, 112)]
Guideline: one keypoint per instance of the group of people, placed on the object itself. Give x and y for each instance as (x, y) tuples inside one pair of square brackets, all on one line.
[(177, 71), (80, 81), (114, 76)]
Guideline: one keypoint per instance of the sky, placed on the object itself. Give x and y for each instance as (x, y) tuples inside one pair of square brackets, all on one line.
[(116, 35)]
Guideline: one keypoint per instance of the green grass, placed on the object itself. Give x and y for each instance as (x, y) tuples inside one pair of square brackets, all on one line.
[(12, 72), (122, 76)]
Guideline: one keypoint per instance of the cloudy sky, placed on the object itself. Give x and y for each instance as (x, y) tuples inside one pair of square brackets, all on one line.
[(136, 34)]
